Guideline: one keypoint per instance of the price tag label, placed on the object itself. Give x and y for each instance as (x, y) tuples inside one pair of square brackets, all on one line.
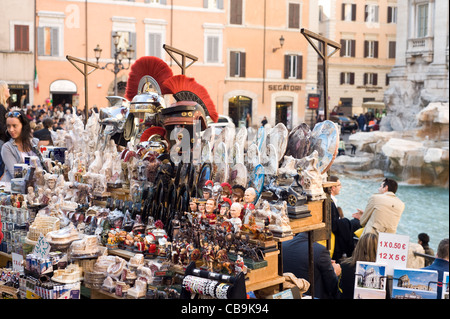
[(42, 248), (17, 262), (393, 251)]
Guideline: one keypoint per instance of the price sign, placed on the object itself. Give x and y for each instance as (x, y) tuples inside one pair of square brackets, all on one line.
[(17, 262), (42, 248), (393, 251)]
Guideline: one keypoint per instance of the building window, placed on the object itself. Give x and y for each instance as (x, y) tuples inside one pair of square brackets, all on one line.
[(347, 78), (370, 78), (293, 66), (236, 12), (21, 38), (213, 4), (348, 12), (126, 38), (391, 14), (391, 54), (422, 20), (386, 80), (237, 64), (371, 49), (155, 44), (347, 48), (294, 16), (48, 41), (371, 13), (212, 49)]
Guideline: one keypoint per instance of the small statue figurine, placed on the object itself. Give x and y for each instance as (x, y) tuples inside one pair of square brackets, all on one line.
[(207, 189), (224, 210), (249, 204), (237, 195), (210, 208), (235, 213)]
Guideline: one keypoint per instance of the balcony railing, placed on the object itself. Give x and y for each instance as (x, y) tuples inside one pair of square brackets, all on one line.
[(420, 47)]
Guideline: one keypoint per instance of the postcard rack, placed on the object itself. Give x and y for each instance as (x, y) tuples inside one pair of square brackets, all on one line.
[(206, 284)]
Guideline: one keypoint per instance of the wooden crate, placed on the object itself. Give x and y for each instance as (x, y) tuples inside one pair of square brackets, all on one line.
[(315, 221), (266, 276)]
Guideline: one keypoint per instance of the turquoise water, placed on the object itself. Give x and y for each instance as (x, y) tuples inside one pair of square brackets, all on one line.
[(426, 208)]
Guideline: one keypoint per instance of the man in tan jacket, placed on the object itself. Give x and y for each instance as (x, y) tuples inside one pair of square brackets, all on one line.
[(383, 211)]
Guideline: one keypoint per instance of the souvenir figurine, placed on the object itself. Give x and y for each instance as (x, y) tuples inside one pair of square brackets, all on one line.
[(210, 208), (207, 189), (31, 195), (217, 192), (193, 206), (201, 207), (224, 210), (235, 213), (237, 194), (226, 190), (249, 204)]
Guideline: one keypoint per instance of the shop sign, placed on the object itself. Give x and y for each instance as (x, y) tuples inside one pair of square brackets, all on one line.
[(393, 251), (285, 87)]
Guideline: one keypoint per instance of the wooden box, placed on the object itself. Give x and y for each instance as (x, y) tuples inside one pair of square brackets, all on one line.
[(266, 276), (315, 221)]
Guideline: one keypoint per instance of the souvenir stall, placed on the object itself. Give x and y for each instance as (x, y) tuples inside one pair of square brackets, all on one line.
[(180, 211)]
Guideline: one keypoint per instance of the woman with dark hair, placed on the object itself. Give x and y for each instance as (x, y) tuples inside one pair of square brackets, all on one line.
[(365, 250), (21, 142)]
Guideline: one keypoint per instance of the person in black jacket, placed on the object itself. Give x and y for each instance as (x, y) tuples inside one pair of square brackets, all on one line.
[(44, 135), (342, 228), (326, 271)]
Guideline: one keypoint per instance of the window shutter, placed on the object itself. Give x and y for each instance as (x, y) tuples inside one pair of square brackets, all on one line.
[(294, 15), (366, 48), (236, 12), (286, 66), (219, 4), (389, 14), (21, 38), (365, 78), (353, 44), (392, 49), (232, 63), (353, 12), (343, 12), (342, 78), (352, 78), (375, 79), (366, 14), (154, 45), (342, 53), (205, 3), (299, 67), (55, 42), (132, 38), (242, 65), (375, 48), (40, 41)]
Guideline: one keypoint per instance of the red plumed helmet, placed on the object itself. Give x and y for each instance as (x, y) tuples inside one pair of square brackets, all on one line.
[(152, 131), (184, 88), (147, 65)]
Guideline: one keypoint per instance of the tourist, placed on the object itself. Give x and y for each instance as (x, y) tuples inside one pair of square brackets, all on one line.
[(264, 121), (341, 147), (4, 96), (361, 122), (61, 124), (383, 211), (342, 228), (326, 271), (423, 240), (365, 250), (21, 143), (44, 135), (440, 264), (353, 152)]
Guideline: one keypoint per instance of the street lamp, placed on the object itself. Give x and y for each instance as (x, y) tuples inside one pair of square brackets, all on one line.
[(117, 66), (281, 44)]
